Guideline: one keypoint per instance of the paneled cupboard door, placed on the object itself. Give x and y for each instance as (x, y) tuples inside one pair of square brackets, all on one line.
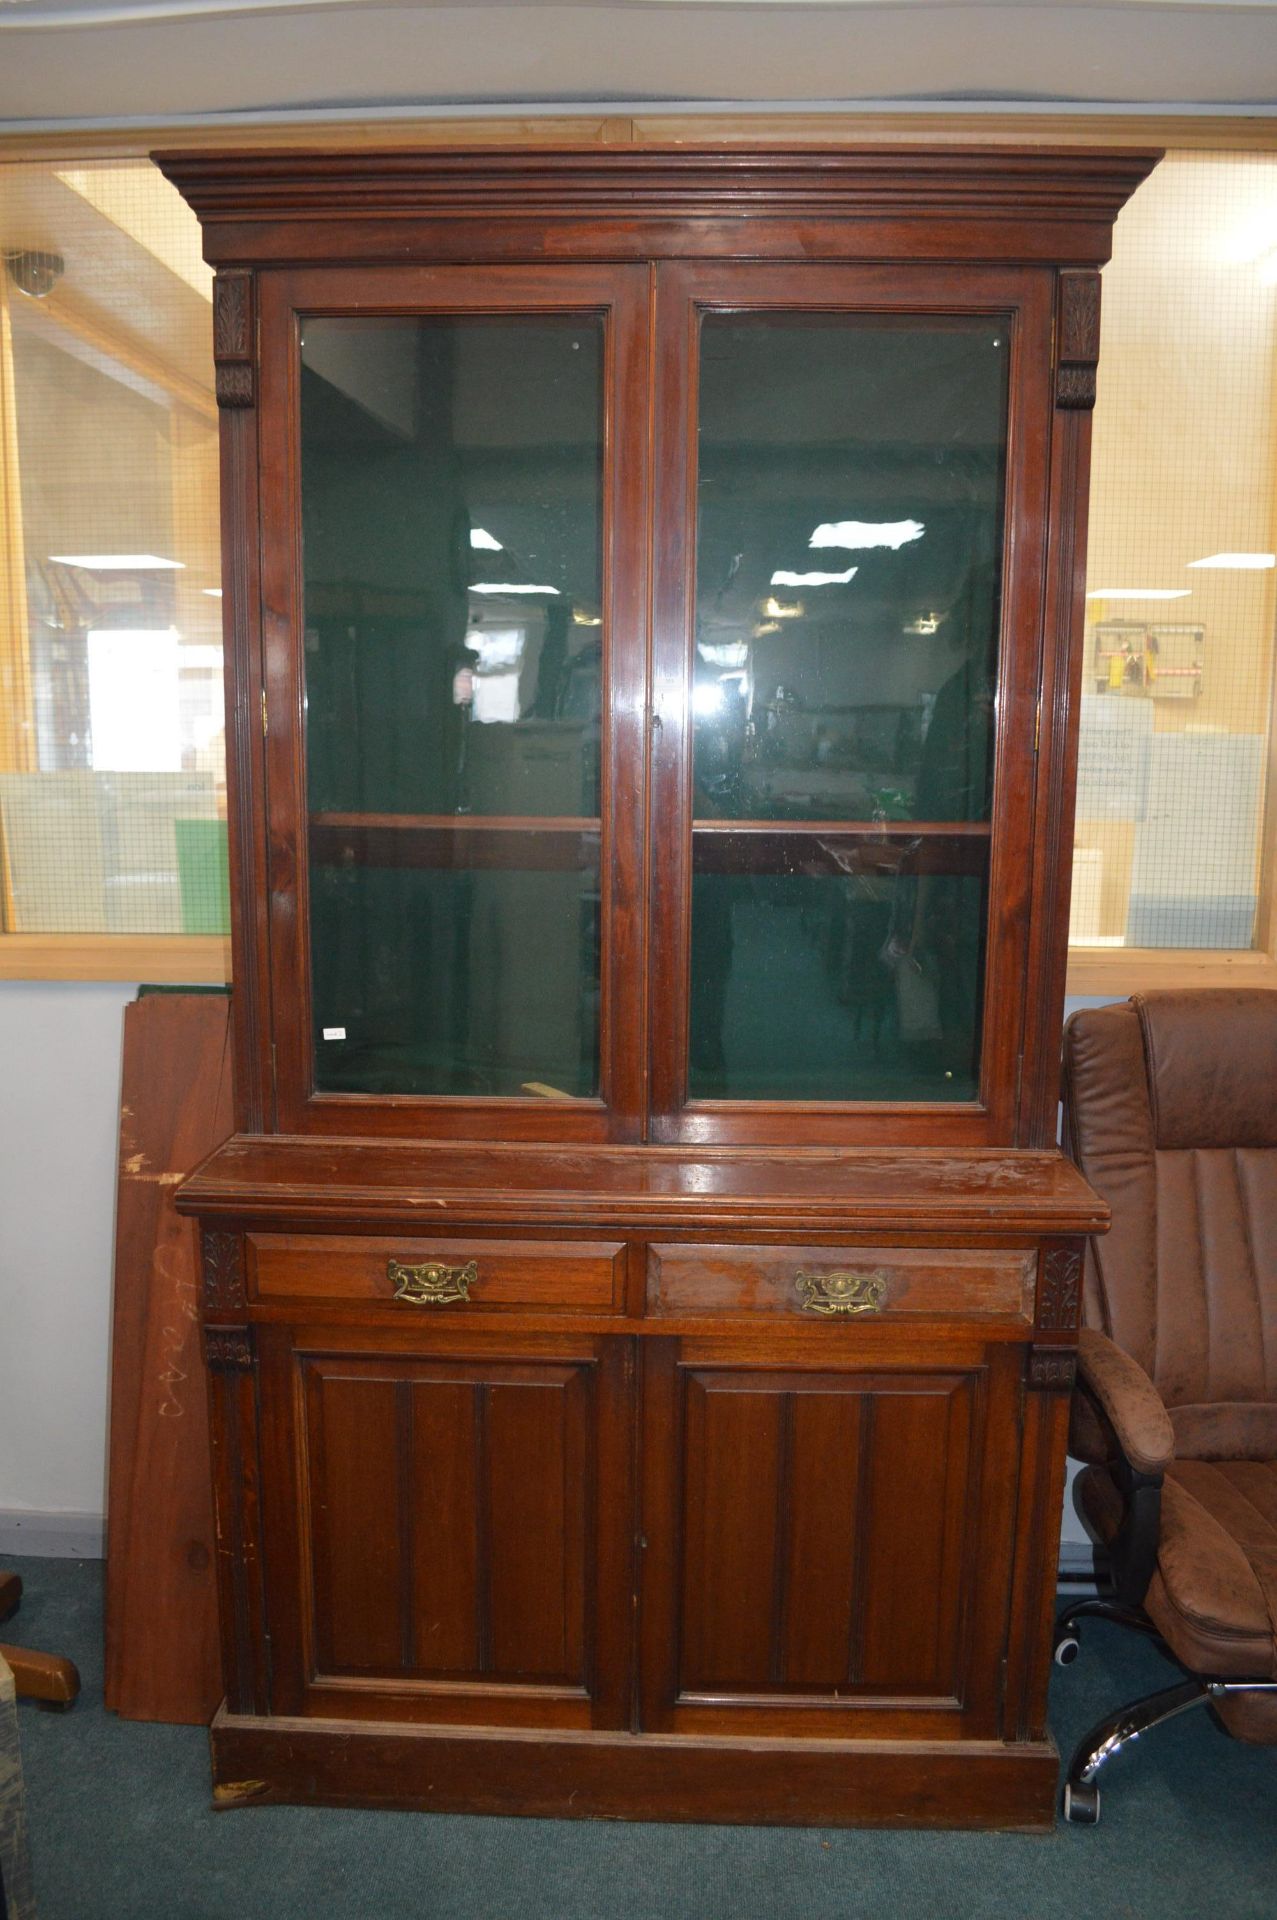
[(827, 1537), (451, 1540), (846, 654), (454, 650)]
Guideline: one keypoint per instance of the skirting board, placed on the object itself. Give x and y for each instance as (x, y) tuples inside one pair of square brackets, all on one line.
[(1081, 1566), (55, 1536)]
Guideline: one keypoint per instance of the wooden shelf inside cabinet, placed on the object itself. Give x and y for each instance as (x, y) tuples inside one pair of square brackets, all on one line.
[(693, 1446), (853, 848), (528, 844)]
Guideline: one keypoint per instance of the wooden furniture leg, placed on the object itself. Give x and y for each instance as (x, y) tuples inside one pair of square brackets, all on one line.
[(46, 1677)]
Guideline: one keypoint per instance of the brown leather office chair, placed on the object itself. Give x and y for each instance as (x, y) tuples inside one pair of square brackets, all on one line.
[(1171, 1113)]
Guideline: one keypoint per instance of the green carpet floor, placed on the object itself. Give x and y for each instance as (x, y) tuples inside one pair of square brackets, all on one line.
[(121, 1829)]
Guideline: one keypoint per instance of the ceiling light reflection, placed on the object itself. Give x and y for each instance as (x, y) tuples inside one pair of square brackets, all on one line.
[(510, 586), (783, 578), (859, 534)]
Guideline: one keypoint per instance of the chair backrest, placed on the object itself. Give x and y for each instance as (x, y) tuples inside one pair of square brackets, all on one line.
[(1171, 1113)]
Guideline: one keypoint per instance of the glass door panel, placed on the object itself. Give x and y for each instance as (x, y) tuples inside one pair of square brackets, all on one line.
[(829, 965), (453, 581), (849, 509)]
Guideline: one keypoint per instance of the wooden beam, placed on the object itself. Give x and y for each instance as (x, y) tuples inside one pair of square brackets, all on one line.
[(17, 711), (183, 959), (1122, 970), (60, 315), (1246, 132), (17, 704)]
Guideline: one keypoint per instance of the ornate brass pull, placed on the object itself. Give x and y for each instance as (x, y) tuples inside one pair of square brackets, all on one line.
[(432, 1284), (831, 1293)]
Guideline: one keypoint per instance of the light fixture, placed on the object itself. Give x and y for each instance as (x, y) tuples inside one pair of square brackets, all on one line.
[(509, 586), (580, 619), (783, 609), (480, 537), (707, 697), (1238, 562), (117, 562), (765, 627), (1140, 593), (925, 623), (858, 534), (783, 578), (214, 593)]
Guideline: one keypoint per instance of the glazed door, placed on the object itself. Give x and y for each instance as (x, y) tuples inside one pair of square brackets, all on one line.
[(448, 1526), (827, 1531), (453, 594), (846, 653)]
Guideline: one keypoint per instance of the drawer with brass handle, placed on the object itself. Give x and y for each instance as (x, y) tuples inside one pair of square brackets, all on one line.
[(841, 1284), (432, 1284), (459, 1276)]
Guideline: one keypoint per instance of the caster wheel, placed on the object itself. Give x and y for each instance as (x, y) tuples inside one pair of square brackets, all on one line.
[(1081, 1804), (1067, 1649)]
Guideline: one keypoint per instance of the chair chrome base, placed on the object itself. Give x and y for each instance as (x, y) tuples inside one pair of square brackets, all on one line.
[(1067, 1646), (1081, 1801)]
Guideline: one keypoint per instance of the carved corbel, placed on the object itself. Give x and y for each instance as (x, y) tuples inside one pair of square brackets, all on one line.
[(1077, 337), (228, 1349), (1059, 1289), (1052, 1369), (235, 337), (223, 1274)]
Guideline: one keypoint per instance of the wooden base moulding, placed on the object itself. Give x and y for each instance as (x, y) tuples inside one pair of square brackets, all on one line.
[(619, 1776)]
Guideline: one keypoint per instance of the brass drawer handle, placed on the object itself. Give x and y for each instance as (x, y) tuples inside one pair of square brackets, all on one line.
[(831, 1293), (432, 1284)]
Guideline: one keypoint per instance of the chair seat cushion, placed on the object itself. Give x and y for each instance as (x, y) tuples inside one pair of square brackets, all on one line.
[(1226, 1430), (1213, 1597)]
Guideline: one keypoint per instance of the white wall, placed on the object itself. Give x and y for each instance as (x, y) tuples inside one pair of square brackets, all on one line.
[(59, 1103)]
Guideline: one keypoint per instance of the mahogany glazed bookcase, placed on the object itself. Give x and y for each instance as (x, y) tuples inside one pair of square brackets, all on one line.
[(640, 1295)]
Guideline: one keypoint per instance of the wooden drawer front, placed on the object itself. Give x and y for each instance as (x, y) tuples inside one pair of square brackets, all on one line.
[(841, 1283), (585, 1276)]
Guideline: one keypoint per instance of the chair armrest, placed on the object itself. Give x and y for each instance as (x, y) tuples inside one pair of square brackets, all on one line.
[(1128, 1400)]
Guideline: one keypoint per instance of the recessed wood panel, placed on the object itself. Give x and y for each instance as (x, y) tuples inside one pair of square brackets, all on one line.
[(356, 1522), (824, 1527), (450, 1512), (534, 1500), (912, 1536), (734, 1448), (443, 1463), (821, 1562)]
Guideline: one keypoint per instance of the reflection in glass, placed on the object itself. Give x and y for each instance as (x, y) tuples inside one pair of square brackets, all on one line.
[(850, 476), (457, 980), (836, 967), (451, 507), (849, 551)]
